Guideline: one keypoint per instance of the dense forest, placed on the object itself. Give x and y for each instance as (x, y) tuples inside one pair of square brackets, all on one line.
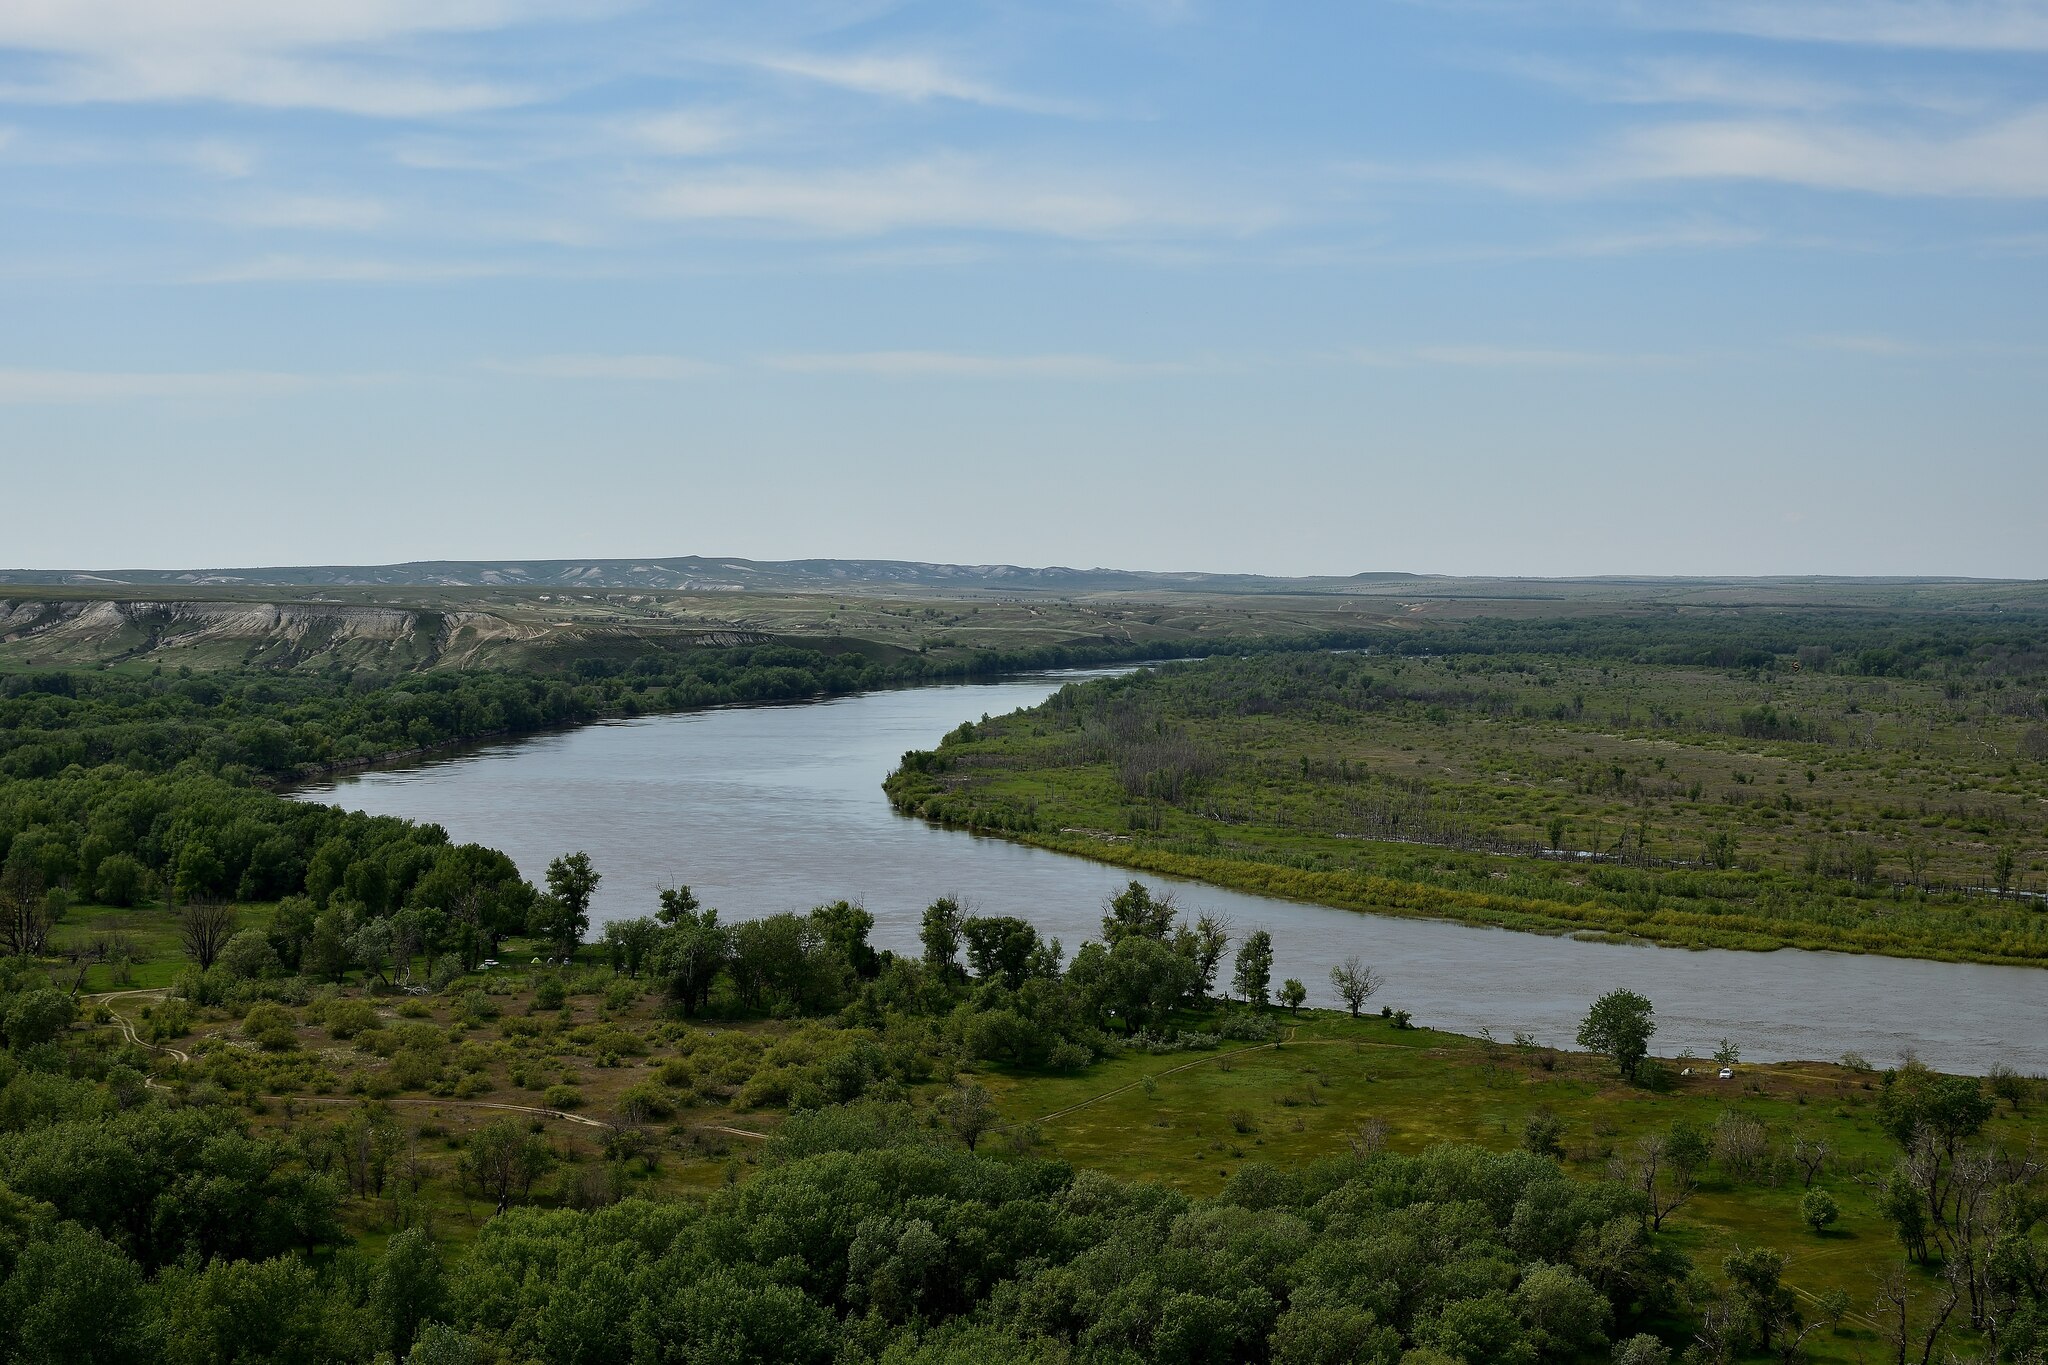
[(116, 789)]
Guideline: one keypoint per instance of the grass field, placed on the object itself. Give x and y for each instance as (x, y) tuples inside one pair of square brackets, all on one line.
[(1186, 1119), (1202, 1117), (1713, 807)]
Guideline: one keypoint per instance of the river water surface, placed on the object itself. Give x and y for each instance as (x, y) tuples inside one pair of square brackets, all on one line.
[(771, 808)]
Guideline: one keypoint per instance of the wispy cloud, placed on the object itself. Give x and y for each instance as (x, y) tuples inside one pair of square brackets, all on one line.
[(1948, 25), (325, 213), (631, 367), (1672, 80), (286, 269), (2004, 159), (308, 54), (951, 192), (1492, 357), (18, 386), (1868, 343), (682, 132), (958, 365), (915, 77)]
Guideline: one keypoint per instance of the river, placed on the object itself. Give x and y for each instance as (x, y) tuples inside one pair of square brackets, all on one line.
[(767, 808)]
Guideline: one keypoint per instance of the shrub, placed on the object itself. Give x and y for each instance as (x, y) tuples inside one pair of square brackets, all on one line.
[(415, 1068), (550, 993), (644, 1102), (270, 1027), (562, 1097), (345, 1019)]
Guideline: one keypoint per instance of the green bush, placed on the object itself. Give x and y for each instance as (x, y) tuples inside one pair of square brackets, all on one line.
[(346, 1019), (562, 1097), (271, 1027)]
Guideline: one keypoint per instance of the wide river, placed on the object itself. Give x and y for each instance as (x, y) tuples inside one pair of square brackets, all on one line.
[(769, 808)]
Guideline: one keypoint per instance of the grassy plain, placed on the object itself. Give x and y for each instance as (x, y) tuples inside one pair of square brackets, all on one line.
[(1736, 807), (1200, 1119), (629, 1100)]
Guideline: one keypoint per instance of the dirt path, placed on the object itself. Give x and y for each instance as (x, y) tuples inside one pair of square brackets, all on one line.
[(128, 1028)]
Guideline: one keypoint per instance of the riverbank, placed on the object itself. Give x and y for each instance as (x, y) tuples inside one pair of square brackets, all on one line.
[(1676, 806)]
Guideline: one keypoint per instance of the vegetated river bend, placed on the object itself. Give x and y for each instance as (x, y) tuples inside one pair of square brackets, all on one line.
[(780, 807)]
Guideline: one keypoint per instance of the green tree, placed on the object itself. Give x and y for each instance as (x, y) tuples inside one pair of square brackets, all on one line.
[(1254, 976), (408, 1290), (503, 1159), (270, 1311), (1763, 1303), (1818, 1209), (1543, 1134), (940, 935), (572, 881), (1136, 912), (36, 1017), (75, 1299), (1620, 1024), (1293, 995)]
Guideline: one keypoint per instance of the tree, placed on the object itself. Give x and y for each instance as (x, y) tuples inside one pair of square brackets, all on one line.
[(1762, 1301), (1665, 1184), (205, 925), (550, 920), (120, 879), (2008, 1085), (940, 935), (73, 1297), (327, 950), (630, 943), (504, 1158), (249, 955), (1620, 1024), (572, 881), (1003, 948), (1135, 911), (1293, 994), (1210, 942), (408, 1290), (1355, 983), (24, 914), (1543, 1134), (1254, 975), (1817, 1209), (691, 952), (36, 1017), (970, 1111)]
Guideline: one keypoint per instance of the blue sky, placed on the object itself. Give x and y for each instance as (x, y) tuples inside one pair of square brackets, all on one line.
[(1580, 286)]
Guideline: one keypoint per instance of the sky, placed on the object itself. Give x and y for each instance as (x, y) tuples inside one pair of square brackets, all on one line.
[(1537, 287)]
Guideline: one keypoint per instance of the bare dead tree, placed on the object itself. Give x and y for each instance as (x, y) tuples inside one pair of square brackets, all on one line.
[(1648, 1167), (24, 914), (206, 925), (1370, 1139), (1810, 1154)]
